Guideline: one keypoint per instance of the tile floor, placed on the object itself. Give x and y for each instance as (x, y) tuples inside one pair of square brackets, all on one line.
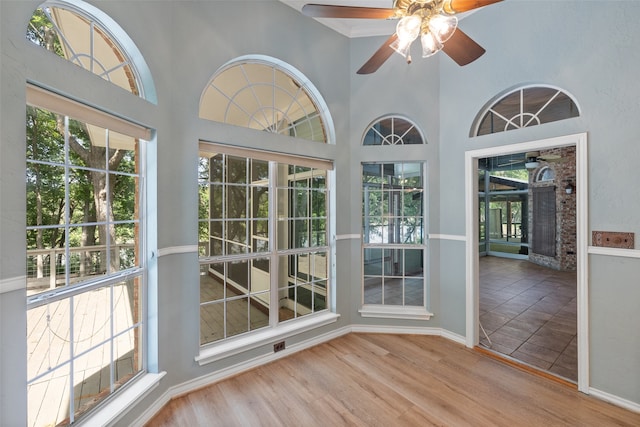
[(529, 313)]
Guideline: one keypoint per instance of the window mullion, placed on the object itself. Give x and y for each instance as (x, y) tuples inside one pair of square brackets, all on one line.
[(273, 252)]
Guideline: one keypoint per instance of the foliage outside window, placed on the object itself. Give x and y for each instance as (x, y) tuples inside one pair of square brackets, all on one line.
[(85, 275), (263, 241), (524, 107), (77, 36), (392, 130), (393, 233)]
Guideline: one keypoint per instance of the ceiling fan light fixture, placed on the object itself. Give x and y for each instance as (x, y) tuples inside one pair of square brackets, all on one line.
[(430, 44), (442, 27)]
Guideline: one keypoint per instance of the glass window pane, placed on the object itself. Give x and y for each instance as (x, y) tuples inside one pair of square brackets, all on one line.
[(236, 171), (372, 290), (237, 316), (124, 197), (211, 322)]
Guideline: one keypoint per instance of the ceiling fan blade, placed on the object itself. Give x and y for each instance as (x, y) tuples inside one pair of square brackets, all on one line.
[(457, 6), (462, 49), (329, 11), (378, 58)]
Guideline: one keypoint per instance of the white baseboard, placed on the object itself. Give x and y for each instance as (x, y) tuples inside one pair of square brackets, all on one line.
[(618, 401), (386, 329)]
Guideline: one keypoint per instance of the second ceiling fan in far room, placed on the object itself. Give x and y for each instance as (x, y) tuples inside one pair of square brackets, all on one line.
[(433, 21)]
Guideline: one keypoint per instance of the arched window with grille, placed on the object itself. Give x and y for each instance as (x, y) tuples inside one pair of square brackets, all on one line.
[(524, 107), (392, 130), (87, 37)]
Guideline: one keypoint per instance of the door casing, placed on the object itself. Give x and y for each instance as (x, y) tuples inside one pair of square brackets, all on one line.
[(471, 216)]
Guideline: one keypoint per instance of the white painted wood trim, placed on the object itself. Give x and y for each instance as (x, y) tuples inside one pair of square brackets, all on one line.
[(116, 408), (13, 284), (395, 312), (348, 236), (460, 238), (618, 401), (233, 347), (171, 250), (582, 258), (617, 252)]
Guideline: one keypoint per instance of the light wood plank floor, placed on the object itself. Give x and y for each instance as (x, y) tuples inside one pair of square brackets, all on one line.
[(389, 380)]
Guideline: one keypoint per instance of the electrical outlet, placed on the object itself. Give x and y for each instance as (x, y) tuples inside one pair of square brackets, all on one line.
[(279, 346)]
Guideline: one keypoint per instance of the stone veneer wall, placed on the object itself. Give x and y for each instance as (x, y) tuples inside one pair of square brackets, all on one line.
[(565, 172)]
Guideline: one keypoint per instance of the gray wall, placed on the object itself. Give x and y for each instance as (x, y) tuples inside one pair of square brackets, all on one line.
[(586, 49)]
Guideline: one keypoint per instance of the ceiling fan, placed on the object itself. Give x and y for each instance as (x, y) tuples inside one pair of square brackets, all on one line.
[(434, 21), (529, 159)]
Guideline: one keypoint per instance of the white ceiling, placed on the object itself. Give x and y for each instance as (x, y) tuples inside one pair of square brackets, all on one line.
[(353, 27), (356, 27)]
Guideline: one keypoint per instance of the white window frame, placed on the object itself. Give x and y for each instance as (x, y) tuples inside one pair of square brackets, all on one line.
[(412, 312), (276, 329), (141, 382)]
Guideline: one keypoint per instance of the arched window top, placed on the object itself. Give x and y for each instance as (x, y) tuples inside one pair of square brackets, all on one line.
[(523, 107), (266, 94), (87, 37), (392, 130), (545, 174)]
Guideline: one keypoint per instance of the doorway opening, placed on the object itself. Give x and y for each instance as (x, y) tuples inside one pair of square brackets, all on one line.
[(526, 254)]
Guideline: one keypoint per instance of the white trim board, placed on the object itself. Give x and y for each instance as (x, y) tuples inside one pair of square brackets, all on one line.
[(171, 250), (617, 252), (13, 284), (460, 238), (348, 236)]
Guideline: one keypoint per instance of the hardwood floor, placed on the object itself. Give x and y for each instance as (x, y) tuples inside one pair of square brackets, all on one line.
[(389, 380)]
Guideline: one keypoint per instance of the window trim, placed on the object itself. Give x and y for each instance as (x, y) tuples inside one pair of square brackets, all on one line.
[(54, 102)]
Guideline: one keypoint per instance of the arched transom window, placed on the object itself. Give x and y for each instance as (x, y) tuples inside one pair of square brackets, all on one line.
[(524, 107), (86, 40), (267, 95), (392, 130)]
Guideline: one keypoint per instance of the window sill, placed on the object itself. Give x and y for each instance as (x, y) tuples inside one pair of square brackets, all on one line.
[(116, 407), (246, 342), (395, 312)]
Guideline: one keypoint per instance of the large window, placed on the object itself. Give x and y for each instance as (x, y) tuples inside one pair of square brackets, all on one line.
[(264, 253), (85, 273), (393, 234)]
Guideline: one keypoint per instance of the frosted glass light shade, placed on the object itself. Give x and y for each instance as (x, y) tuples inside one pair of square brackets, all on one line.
[(442, 27), (430, 44), (408, 28), (402, 47)]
